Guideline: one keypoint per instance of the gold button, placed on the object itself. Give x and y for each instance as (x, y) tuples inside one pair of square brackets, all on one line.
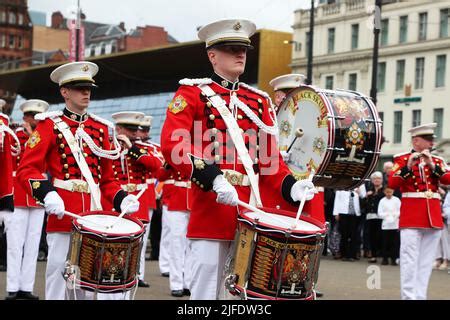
[(131, 178), (179, 178), (260, 111), (202, 186), (216, 144), (193, 179), (64, 156), (259, 100), (85, 154), (99, 176), (61, 145), (214, 130), (240, 117), (82, 126), (208, 104), (113, 166), (130, 171), (55, 128), (212, 117), (66, 166), (101, 130), (101, 139), (84, 144), (60, 136), (256, 160), (198, 183), (217, 158), (67, 176)]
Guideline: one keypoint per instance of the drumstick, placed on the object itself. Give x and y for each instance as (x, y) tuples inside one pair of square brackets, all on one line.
[(252, 208), (298, 134), (124, 211), (302, 203), (73, 215)]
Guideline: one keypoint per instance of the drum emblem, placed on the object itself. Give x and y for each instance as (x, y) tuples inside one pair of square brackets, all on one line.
[(319, 145), (285, 128), (355, 136)]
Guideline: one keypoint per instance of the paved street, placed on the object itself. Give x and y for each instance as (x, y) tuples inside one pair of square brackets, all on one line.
[(338, 280)]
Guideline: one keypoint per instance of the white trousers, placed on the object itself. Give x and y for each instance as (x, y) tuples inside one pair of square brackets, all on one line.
[(23, 235), (177, 224), (207, 260), (163, 259), (144, 247), (443, 251), (417, 253)]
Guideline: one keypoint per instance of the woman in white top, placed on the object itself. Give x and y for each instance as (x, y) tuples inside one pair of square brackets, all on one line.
[(389, 211), (443, 252)]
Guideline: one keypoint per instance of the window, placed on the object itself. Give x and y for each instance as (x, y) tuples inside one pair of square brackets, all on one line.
[(438, 117), (398, 121), (2, 16), (352, 81), (12, 41), (2, 40), (423, 21), (420, 70), (12, 18), (403, 29), (381, 79), (331, 34), (329, 82), (20, 42), (416, 118), (381, 115), (20, 18), (92, 51), (440, 70), (400, 76), (103, 49), (384, 32), (443, 25), (355, 36)]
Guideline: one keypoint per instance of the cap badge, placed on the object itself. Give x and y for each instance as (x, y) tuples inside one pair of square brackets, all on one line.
[(85, 68), (224, 83), (237, 26), (73, 117)]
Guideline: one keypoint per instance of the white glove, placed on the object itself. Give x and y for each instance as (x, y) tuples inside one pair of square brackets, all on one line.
[(130, 201), (302, 187), (286, 156), (226, 193), (53, 204), (125, 140)]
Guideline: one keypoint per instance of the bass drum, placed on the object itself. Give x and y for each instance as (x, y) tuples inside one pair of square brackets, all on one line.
[(336, 133)]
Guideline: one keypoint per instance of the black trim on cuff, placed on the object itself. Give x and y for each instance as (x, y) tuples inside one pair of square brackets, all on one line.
[(7, 203), (135, 152), (405, 172), (438, 171), (286, 187), (118, 198), (203, 174), (40, 188)]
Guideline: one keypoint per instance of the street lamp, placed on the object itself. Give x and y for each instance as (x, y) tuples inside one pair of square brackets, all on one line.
[(310, 45), (297, 45)]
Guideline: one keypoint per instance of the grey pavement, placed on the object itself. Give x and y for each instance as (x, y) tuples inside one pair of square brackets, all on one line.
[(338, 280)]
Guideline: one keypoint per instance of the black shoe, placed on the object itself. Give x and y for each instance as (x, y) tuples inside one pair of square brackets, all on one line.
[(318, 293), (177, 293), (2, 268), (12, 296), (385, 262), (372, 260), (393, 262), (186, 292), (27, 295), (143, 284), (165, 274)]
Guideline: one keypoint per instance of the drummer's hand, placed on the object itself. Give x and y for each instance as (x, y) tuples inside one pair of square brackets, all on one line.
[(53, 204), (303, 188), (126, 141), (130, 201), (226, 193), (286, 156)]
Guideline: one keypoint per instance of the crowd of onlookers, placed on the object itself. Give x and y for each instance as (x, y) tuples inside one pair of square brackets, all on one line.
[(364, 223)]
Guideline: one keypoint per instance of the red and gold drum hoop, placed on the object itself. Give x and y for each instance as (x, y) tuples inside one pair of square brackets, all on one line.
[(341, 139)]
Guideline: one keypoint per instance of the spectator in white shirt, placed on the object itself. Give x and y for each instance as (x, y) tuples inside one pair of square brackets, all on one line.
[(389, 211), (443, 252)]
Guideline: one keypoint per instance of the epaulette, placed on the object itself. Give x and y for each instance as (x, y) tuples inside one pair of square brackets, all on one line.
[(4, 115), (101, 120), (45, 115), (260, 92), (20, 129), (400, 154), (438, 157), (195, 82)]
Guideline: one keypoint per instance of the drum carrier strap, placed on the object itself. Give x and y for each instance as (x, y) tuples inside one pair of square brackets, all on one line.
[(235, 133)]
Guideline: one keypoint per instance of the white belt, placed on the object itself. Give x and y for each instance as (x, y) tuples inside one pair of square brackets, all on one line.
[(169, 181), (424, 195), (236, 178), (182, 184), (74, 185), (132, 187), (150, 181)]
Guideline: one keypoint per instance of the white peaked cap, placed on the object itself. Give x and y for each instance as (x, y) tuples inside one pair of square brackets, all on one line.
[(287, 81), (227, 32)]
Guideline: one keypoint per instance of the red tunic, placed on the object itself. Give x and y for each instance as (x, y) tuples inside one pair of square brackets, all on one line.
[(47, 148), (193, 141), (419, 212), (6, 185), (177, 198), (21, 197)]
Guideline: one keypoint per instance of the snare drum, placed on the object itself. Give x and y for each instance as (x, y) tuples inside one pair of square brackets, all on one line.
[(272, 260), (107, 258), (341, 135)]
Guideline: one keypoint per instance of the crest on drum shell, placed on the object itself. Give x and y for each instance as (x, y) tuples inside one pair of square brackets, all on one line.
[(319, 145), (355, 137), (285, 129)]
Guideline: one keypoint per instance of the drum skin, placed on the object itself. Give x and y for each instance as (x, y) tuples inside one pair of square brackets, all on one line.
[(271, 263), (107, 262), (341, 138)]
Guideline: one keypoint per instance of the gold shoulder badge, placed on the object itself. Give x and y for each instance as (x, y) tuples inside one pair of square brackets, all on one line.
[(396, 167), (178, 104), (199, 164), (34, 139), (36, 185)]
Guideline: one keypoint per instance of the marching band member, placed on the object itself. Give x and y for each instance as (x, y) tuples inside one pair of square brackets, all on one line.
[(6, 187), (133, 169), (25, 225), (74, 147), (418, 174), (196, 142)]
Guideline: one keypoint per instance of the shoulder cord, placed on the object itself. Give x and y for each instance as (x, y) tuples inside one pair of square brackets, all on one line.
[(14, 151), (99, 152)]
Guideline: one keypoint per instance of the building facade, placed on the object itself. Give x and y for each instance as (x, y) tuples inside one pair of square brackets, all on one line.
[(413, 78)]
